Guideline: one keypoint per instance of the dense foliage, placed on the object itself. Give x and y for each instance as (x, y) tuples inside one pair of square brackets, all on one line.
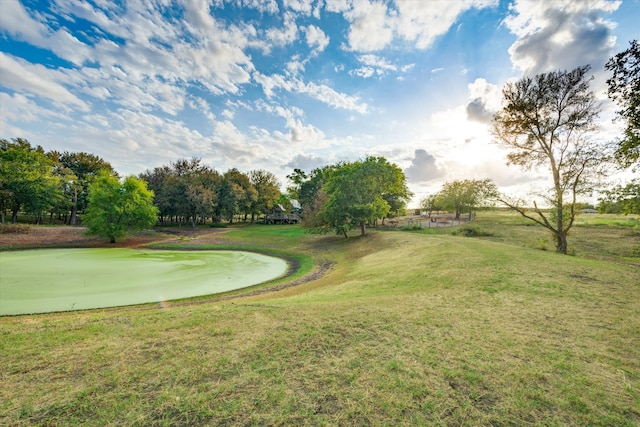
[(36, 182), (462, 196), (115, 207), (549, 121), (624, 89), (189, 190), (349, 195), (621, 199)]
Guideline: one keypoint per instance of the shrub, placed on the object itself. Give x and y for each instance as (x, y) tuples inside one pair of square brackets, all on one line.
[(471, 231)]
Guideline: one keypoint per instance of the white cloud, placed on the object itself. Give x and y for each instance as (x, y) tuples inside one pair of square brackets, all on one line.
[(331, 97), (316, 38), (285, 35), (322, 93), (307, 162), (423, 168), (23, 77), (371, 28), (376, 65), (484, 101), (560, 34), (19, 108), (375, 25), (423, 21), (264, 6), (16, 21), (304, 7)]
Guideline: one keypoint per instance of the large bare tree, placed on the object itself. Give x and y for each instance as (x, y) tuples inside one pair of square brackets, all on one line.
[(549, 121)]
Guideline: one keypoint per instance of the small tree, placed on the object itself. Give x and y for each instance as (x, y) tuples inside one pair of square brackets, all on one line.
[(466, 195), (624, 89), (115, 207), (547, 121)]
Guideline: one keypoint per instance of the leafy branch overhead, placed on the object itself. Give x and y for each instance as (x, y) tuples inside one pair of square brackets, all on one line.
[(624, 89)]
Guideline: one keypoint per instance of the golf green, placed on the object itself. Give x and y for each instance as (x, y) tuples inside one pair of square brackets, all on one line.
[(47, 280)]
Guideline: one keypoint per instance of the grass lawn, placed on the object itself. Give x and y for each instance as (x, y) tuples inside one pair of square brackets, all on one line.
[(406, 328)]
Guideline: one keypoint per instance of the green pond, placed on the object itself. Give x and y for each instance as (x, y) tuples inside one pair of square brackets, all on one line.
[(47, 280)]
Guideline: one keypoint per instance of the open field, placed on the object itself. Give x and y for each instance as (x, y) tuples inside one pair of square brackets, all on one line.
[(402, 328)]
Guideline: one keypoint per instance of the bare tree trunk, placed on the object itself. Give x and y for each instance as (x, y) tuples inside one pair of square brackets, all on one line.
[(561, 242)]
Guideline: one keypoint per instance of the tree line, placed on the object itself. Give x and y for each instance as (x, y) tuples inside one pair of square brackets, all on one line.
[(64, 185), (57, 185)]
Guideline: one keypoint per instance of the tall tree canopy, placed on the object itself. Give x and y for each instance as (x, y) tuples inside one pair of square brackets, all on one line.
[(548, 120), (27, 179), (624, 89), (186, 188), (267, 191), (77, 170), (237, 194), (116, 207), (357, 193)]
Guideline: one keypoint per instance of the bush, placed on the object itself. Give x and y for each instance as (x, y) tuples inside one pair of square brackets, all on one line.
[(15, 228), (471, 231)]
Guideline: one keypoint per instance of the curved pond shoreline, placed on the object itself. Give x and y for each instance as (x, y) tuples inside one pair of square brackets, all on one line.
[(52, 280)]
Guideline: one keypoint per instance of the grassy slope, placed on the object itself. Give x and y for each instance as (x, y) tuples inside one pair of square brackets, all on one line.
[(408, 328)]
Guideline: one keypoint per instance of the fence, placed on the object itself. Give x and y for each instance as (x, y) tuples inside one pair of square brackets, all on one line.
[(433, 222)]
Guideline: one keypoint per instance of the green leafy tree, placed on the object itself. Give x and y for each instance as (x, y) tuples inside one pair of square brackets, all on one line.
[(160, 180), (547, 121), (186, 188), (624, 89), (430, 203), (356, 193), (116, 207), (621, 199), (195, 188), (267, 190), (306, 188), (237, 194), (465, 196), (77, 170), (27, 181)]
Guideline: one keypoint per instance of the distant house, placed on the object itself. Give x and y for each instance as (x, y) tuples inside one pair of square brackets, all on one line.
[(280, 216), (588, 211)]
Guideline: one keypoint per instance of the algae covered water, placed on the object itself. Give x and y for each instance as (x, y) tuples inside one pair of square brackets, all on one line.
[(47, 280)]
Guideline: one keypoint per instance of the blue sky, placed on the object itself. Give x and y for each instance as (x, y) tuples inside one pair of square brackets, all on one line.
[(283, 84)]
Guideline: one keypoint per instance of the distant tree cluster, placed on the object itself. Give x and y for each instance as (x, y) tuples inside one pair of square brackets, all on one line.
[(462, 196), (67, 185), (190, 191), (40, 183), (350, 195), (623, 199)]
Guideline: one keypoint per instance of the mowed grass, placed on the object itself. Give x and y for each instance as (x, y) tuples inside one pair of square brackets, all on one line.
[(407, 328)]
